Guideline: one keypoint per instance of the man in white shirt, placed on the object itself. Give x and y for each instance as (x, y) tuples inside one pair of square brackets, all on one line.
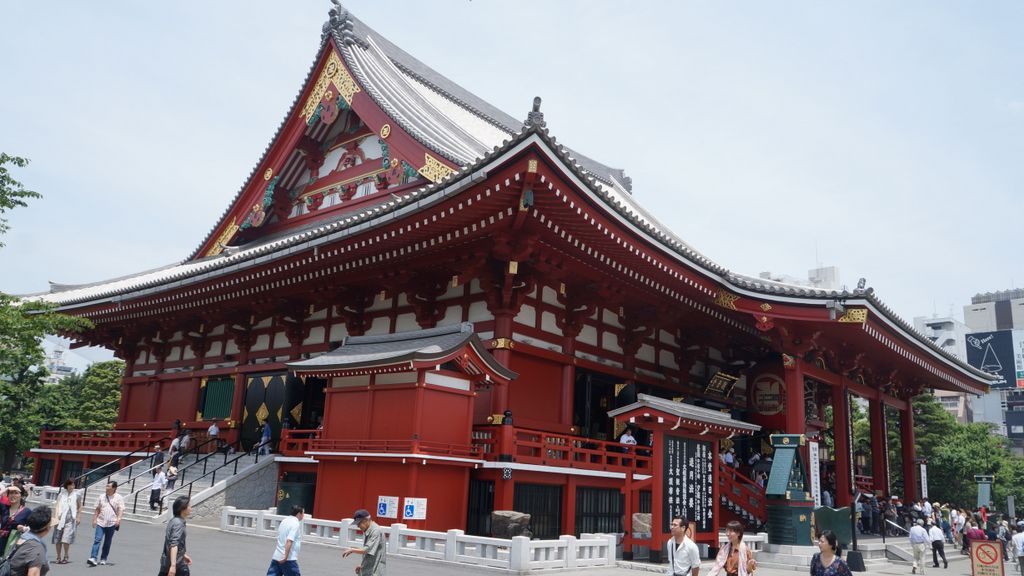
[(919, 541), (1017, 547), (927, 509), (214, 433), (938, 545), (683, 555), (285, 561), (156, 487)]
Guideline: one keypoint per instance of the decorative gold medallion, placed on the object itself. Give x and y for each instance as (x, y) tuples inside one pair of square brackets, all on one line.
[(766, 307), (296, 413), (434, 170), (855, 316), (385, 131), (726, 300), (268, 174)]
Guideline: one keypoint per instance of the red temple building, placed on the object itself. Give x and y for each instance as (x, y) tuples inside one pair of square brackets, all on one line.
[(428, 298)]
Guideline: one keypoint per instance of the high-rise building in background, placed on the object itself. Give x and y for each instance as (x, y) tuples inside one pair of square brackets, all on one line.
[(995, 344), (950, 334)]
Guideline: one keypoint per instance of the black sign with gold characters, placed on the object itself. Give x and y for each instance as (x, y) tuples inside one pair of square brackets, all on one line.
[(688, 480)]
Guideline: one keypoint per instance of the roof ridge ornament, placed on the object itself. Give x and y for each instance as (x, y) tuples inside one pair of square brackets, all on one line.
[(535, 118), (337, 20)]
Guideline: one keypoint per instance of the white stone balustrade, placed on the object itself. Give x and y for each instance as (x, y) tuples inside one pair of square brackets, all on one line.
[(519, 554)]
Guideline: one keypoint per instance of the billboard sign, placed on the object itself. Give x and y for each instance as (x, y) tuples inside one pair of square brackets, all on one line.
[(1001, 353)]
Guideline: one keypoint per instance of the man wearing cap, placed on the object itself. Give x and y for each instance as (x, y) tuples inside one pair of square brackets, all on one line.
[(919, 542), (374, 557), (285, 561)]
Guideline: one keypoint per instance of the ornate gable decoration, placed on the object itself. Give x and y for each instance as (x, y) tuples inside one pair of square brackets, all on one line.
[(334, 73)]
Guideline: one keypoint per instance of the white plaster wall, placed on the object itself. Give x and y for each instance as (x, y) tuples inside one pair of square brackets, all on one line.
[(478, 312), (264, 323), (379, 304), (474, 287), (188, 353), (175, 354), (216, 348), (610, 318), (666, 337), (610, 342), (588, 335), (452, 315), (527, 315), (549, 323), (668, 359), (338, 332), (280, 340), (550, 296), (646, 353), (452, 292), (262, 343), (320, 314), (316, 335), (406, 322), (379, 326), (218, 330)]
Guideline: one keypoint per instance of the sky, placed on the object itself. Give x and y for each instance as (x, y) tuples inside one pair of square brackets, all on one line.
[(883, 138)]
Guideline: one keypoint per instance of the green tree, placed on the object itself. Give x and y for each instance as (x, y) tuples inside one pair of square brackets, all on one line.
[(97, 396), (23, 324), (12, 193)]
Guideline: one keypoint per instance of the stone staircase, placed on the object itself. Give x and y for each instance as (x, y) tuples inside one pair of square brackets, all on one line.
[(134, 483), (799, 557)]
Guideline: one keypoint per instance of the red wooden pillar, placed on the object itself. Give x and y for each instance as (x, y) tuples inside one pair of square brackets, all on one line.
[(238, 397), (569, 506), (503, 354), (568, 381), (879, 447), (909, 452), (796, 418), (841, 446)]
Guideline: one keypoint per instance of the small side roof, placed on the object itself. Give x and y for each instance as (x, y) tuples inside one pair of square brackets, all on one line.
[(688, 414), (415, 349)]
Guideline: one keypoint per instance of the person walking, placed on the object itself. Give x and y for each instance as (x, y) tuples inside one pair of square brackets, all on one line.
[(938, 546), (156, 487), (285, 561), (683, 555), (172, 476), (174, 560), (735, 558), (826, 562), (265, 438), (106, 519), (919, 541), (69, 516), (29, 555), (373, 552), (1017, 543)]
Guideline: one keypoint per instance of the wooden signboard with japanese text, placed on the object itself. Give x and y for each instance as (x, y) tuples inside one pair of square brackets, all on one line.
[(688, 480)]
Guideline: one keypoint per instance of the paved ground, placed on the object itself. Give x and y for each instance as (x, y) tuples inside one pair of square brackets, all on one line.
[(136, 551)]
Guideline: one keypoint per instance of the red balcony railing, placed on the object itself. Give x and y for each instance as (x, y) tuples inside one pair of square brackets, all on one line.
[(424, 447), (548, 449), (864, 483), (88, 440), (297, 442)]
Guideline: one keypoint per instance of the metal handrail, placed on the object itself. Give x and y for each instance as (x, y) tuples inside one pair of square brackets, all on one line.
[(78, 479), (239, 456)]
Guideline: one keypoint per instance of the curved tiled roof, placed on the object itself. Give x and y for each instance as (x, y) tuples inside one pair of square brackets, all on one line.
[(417, 97)]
